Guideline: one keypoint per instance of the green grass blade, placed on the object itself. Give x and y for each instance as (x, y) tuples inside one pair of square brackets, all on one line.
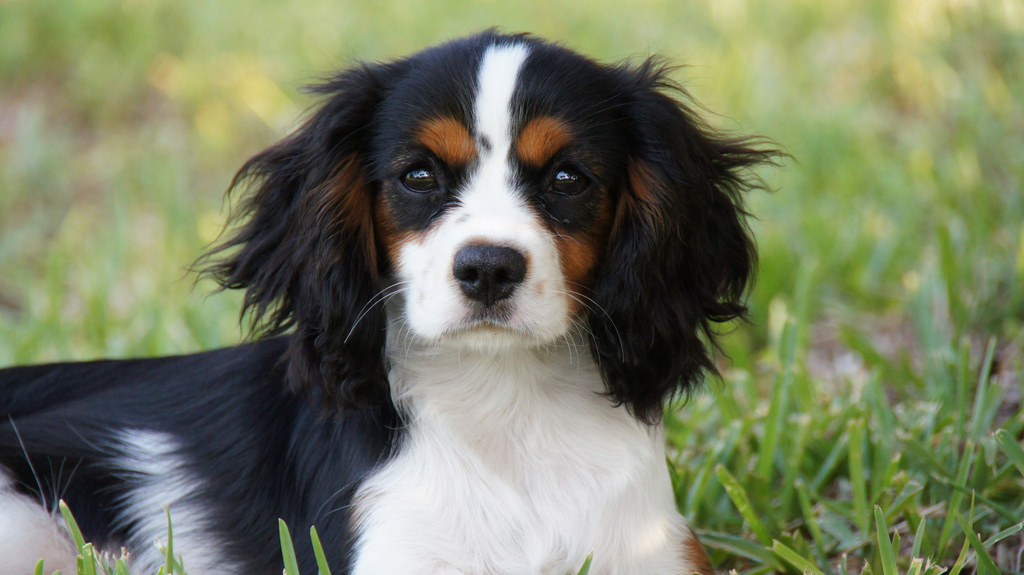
[(986, 566), (39, 568), (291, 564), (1005, 533), (830, 464), (740, 499), (980, 419), (790, 555), (740, 547), (88, 560), (170, 542), (810, 519), (585, 569), (961, 559), (885, 545), (778, 408), (794, 462), (956, 499), (915, 550), (923, 457), (318, 551), (837, 521), (965, 491), (69, 520), (1010, 447), (700, 488), (858, 478)]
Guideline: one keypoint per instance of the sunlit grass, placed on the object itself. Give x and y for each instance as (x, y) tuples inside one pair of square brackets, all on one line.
[(870, 416)]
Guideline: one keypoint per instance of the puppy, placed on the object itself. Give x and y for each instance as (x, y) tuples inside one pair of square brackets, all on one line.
[(476, 273)]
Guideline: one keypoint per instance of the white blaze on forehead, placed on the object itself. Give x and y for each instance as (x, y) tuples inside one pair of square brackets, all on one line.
[(491, 186), (496, 82)]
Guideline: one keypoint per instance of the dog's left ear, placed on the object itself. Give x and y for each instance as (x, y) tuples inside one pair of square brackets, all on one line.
[(306, 253), (680, 255)]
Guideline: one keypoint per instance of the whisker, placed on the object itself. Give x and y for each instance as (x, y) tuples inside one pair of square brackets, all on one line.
[(379, 297), (577, 297), (559, 235), (337, 509), (568, 346), (28, 459), (320, 510), (71, 476), (56, 475)]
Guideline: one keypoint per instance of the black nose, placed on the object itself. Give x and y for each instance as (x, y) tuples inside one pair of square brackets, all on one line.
[(488, 273)]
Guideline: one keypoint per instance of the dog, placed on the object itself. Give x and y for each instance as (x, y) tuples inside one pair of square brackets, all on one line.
[(475, 275)]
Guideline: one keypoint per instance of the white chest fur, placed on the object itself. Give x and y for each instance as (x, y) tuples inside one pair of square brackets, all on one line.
[(516, 463)]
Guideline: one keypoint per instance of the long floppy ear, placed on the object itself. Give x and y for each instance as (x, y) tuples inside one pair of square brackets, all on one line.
[(680, 255), (305, 252)]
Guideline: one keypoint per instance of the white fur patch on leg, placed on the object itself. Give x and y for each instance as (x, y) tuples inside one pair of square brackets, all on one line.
[(29, 533), (160, 478)]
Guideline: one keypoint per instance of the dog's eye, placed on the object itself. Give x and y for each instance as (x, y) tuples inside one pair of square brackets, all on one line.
[(568, 182), (420, 180)]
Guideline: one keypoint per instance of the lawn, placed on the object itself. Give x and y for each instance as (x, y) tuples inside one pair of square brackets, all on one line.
[(869, 418)]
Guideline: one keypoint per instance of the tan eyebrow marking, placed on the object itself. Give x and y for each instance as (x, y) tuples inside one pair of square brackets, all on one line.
[(541, 139), (448, 139)]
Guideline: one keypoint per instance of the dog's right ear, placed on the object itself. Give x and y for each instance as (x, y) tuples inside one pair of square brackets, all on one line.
[(681, 256), (305, 252)]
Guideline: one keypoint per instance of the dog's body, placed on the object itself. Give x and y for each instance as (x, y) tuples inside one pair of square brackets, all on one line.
[(215, 436), (493, 261)]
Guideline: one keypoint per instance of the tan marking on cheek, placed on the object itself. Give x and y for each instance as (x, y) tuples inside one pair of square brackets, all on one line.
[(541, 139), (578, 258), (580, 254), (449, 140), (389, 239)]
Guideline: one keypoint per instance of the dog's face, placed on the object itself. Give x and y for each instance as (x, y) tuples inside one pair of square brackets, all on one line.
[(497, 192), (496, 195)]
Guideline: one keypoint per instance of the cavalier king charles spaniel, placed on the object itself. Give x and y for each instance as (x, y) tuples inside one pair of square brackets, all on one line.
[(476, 273)]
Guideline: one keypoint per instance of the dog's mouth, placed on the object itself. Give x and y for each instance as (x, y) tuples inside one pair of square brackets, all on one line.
[(489, 330), (498, 314), (485, 324)]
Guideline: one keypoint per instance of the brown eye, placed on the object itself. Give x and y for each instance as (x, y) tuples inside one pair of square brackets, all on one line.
[(568, 182), (420, 180)]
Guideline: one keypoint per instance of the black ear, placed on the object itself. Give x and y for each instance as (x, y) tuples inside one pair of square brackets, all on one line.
[(305, 251), (680, 255)]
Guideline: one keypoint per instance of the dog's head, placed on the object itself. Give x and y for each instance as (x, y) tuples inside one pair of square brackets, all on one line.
[(499, 191)]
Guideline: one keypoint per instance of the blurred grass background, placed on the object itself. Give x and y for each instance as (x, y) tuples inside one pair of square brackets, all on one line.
[(883, 364)]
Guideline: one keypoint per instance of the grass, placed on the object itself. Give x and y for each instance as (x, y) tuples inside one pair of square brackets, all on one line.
[(869, 419)]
